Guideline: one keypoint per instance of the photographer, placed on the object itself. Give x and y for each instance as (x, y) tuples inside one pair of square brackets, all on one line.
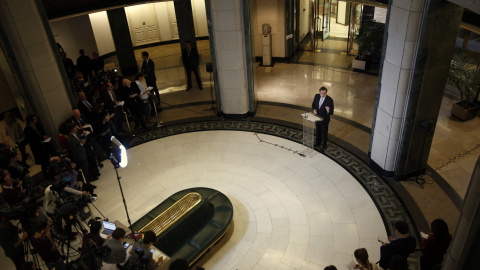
[(148, 239), (11, 189), (45, 246), (12, 245), (18, 171)]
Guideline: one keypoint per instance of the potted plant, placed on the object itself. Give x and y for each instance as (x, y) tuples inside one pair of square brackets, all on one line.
[(369, 35), (466, 78)]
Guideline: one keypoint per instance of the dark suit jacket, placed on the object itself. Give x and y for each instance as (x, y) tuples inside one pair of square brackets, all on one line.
[(35, 140), (402, 246), (109, 104), (191, 61), (149, 71), (83, 108), (125, 92), (322, 112), (78, 151)]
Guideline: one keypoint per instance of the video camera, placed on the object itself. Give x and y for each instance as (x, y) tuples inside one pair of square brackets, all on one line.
[(59, 164)]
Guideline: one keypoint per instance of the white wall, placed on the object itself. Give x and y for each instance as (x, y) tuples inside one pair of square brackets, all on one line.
[(163, 22), (200, 18), (74, 34), (273, 13), (304, 18), (102, 32)]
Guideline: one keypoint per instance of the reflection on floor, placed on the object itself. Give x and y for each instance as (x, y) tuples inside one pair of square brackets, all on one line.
[(289, 211), (284, 91)]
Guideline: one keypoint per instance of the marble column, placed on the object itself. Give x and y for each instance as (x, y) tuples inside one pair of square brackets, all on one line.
[(185, 23), (229, 24), (34, 60), (419, 45), (123, 41), (464, 249)]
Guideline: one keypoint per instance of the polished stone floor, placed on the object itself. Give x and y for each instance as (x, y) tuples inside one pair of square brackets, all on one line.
[(284, 91), (290, 212)]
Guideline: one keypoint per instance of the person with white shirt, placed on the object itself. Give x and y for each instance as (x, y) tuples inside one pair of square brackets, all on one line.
[(143, 95)]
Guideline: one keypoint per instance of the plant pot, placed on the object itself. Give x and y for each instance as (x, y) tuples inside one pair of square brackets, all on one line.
[(463, 112), (359, 64)]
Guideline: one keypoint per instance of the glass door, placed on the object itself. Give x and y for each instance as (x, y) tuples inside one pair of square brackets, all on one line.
[(326, 19)]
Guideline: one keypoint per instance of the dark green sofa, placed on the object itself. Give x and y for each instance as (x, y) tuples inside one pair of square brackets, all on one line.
[(195, 233)]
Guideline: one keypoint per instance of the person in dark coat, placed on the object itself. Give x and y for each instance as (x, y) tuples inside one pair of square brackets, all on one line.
[(148, 68), (436, 245), (322, 106), (191, 59), (130, 94), (84, 65), (402, 244), (10, 242), (35, 137)]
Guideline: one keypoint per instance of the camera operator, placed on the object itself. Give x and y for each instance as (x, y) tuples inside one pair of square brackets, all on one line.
[(11, 189), (12, 245), (118, 254), (148, 239), (43, 243), (63, 171)]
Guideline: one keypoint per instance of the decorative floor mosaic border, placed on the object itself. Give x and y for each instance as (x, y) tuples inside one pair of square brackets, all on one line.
[(388, 203)]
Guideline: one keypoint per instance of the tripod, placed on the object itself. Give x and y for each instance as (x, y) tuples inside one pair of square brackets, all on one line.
[(209, 70), (116, 165)]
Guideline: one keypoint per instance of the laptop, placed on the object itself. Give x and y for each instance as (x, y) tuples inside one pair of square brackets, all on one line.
[(108, 227)]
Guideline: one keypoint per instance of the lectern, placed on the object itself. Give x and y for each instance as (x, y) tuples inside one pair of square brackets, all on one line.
[(309, 120)]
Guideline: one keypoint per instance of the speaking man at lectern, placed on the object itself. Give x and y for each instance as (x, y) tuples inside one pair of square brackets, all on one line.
[(323, 107)]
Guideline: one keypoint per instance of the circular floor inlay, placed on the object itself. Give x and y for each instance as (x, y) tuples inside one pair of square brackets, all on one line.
[(290, 212)]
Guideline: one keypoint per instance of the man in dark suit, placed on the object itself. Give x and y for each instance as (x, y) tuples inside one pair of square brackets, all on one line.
[(190, 59), (130, 94), (148, 68), (79, 155), (111, 102), (84, 105), (84, 65), (323, 107), (402, 244)]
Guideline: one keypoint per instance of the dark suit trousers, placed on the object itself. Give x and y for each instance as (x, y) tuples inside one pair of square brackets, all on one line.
[(322, 133), (83, 165), (189, 70)]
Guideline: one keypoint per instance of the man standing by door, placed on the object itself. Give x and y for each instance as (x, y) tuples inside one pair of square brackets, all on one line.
[(323, 107), (148, 68), (190, 59)]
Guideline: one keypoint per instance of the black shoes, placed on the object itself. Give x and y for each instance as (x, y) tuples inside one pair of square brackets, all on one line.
[(201, 88), (188, 88)]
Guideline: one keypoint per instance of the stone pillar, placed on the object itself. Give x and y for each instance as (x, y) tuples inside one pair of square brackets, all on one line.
[(123, 41), (229, 24), (419, 45), (33, 57), (185, 24), (465, 247)]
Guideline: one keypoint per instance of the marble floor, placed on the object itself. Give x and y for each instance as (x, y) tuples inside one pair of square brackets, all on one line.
[(284, 91), (290, 212)]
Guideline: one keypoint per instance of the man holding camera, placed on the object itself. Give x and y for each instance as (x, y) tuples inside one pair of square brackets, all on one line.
[(141, 252)]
